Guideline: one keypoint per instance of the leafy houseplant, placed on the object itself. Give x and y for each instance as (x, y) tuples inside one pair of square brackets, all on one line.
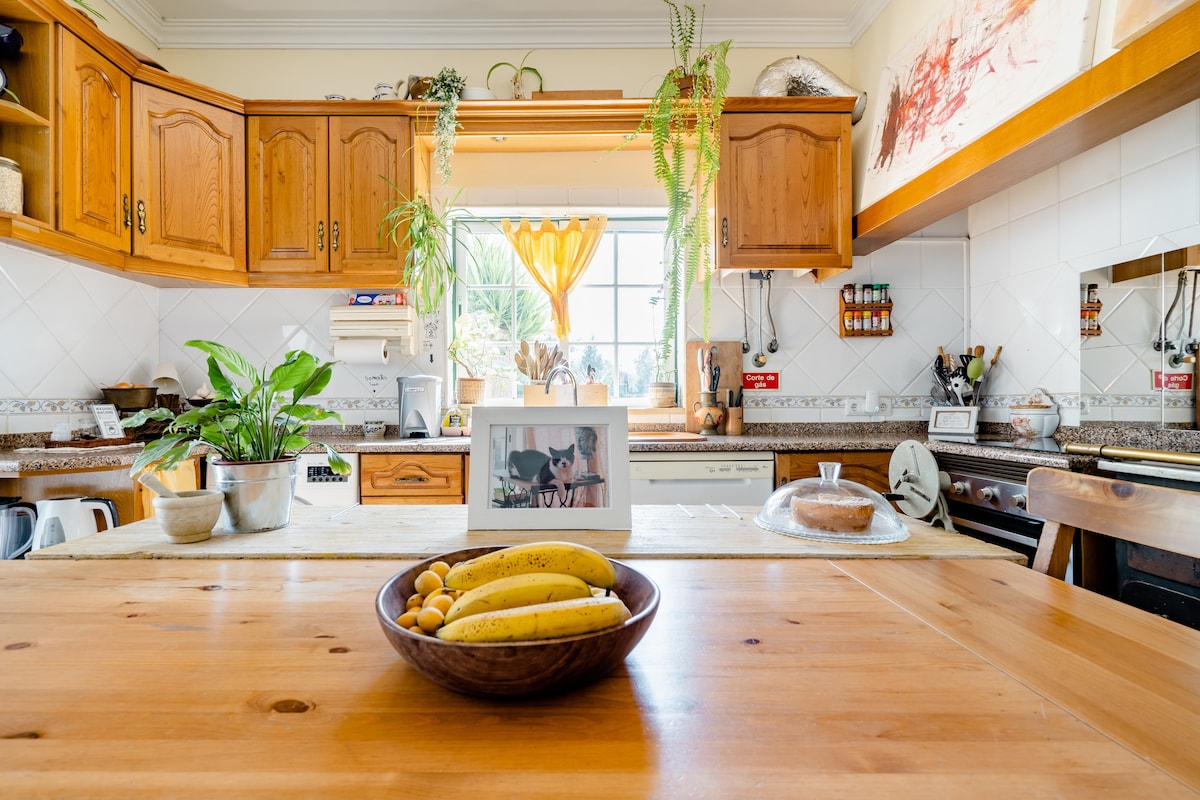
[(518, 78), (445, 89), (474, 349), (684, 122), (423, 232), (262, 421)]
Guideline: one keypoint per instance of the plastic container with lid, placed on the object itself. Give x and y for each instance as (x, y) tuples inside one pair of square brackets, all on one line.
[(829, 509)]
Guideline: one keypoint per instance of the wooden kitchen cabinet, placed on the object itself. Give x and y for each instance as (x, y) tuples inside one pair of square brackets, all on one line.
[(317, 193), (868, 467), (412, 478), (94, 146), (784, 192), (189, 172)]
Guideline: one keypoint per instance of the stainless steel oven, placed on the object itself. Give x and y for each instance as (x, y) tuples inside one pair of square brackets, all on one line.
[(986, 498)]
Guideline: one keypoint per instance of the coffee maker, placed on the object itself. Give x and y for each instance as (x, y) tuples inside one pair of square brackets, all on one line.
[(420, 406)]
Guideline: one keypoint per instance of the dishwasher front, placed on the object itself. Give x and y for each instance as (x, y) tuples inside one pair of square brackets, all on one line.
[(744, 478)]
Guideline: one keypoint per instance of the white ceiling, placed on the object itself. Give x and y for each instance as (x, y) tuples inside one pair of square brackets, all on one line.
[(484, 24)]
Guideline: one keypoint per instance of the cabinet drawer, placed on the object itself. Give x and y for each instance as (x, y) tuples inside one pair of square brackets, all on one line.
[(868, 467), (411, 478)]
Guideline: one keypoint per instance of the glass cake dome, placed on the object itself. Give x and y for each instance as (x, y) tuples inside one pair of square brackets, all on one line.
[(831, 510)]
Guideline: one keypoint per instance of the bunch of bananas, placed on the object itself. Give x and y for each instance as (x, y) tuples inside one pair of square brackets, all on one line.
[(542, 590)]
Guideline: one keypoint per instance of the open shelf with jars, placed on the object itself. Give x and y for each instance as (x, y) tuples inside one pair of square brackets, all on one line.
[(25, 127), (864, 319)]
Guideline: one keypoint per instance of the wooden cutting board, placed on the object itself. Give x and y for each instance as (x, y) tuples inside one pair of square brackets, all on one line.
[(728, 358)]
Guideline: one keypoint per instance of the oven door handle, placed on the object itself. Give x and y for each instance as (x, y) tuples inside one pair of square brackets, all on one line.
[(975, 525)]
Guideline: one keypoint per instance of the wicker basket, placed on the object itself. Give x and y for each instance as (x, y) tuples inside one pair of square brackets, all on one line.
[(470, 391)]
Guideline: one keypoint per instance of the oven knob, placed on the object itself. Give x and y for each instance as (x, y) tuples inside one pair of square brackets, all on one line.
[(960, 487), (987, 493), (1018, 500)]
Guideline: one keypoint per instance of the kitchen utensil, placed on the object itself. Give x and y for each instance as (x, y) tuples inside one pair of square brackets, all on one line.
[(716, 378), (975, 369), (531, 668), (188, 516), (152, 483), (62, 519)]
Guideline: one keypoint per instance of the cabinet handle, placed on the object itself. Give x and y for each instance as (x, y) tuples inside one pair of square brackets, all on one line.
[(724, 231), (412, 479), (141, 211), (336, 234), (127, 212), (321, 235)]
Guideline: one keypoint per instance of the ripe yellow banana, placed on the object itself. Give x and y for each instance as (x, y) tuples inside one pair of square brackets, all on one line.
[(541, 621), (518, 590), (566, 558)]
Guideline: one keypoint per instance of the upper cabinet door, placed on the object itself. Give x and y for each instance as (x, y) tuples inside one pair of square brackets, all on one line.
[(94, 144), (783, 192), (189, 174), (363, 151), (288, 186)]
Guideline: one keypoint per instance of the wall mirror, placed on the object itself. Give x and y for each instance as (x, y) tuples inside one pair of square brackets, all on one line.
[(1139, 338)]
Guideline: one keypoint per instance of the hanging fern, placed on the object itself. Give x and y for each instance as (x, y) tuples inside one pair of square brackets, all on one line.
[(685, 147)]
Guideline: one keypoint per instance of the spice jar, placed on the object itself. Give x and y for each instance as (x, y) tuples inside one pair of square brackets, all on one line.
[(12, 192)]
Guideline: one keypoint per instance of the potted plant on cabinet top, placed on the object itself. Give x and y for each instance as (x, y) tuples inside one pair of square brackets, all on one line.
[(254, 431), (684, 122), (445, 89), (518, 78)]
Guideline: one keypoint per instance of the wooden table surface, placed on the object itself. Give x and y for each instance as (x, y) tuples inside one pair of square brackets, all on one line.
[(421, 531), (759, 678)]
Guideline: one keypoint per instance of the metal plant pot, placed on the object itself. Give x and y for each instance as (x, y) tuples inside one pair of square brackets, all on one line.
[(258, 494)]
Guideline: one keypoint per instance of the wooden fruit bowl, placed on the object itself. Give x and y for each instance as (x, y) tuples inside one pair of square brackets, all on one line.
[(517, 669)]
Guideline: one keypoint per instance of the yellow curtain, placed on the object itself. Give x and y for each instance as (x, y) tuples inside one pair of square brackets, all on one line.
[(557, 258)]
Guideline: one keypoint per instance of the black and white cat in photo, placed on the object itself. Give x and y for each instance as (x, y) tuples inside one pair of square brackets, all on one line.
[(556, 469)]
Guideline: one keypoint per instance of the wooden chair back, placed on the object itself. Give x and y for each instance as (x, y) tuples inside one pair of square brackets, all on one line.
[(1168, 519)]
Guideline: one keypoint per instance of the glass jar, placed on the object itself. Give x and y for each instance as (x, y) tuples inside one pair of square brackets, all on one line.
[(12, 191)]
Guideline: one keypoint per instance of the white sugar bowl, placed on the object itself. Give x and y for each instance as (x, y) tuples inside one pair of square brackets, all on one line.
[(1034, 421)]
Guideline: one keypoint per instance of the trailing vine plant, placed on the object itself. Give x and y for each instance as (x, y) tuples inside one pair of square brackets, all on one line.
[(445, 89)]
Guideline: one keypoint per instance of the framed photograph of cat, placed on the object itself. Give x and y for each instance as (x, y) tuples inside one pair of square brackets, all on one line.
[(549, 468)]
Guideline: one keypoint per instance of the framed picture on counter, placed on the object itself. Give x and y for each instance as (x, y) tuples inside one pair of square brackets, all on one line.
[(540, 468)]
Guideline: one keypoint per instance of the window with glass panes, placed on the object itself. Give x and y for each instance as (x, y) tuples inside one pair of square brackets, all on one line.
[(614, 311)]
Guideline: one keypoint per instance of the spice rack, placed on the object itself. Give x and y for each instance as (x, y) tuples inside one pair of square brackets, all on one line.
[(1089, 319), (868, 313)]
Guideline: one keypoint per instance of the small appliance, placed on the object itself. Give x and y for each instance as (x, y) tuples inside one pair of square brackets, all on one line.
[(17, 521), (420, 406), (63, 519)]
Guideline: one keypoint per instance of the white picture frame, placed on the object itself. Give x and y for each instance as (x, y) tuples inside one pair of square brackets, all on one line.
[(108, 420), (514, 486)]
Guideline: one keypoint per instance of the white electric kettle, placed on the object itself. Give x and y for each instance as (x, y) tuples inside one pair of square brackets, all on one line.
[(62, 519), (17, 521)]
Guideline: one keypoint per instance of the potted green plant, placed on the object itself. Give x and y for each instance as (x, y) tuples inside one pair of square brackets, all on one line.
[(255, 431), (445, 89), (518, 78), (474, 349), (684, 123), (423, 233)]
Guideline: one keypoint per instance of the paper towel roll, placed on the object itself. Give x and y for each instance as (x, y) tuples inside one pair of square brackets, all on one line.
[(361, 351)]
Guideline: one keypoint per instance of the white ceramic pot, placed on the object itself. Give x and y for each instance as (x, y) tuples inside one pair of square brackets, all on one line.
[(1034, 422)]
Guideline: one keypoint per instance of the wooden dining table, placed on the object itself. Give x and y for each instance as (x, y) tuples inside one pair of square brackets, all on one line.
[(759, 678)]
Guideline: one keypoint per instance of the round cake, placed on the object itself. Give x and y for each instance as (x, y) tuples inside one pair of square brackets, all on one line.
[(834, 512)]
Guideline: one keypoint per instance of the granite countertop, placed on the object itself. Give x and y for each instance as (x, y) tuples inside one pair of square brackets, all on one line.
[(770, 437)]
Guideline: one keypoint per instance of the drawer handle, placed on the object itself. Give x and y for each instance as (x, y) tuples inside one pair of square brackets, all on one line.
[(412, 479)]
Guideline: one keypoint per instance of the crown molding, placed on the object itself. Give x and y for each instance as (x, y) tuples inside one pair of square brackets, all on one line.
[(476, 34)]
